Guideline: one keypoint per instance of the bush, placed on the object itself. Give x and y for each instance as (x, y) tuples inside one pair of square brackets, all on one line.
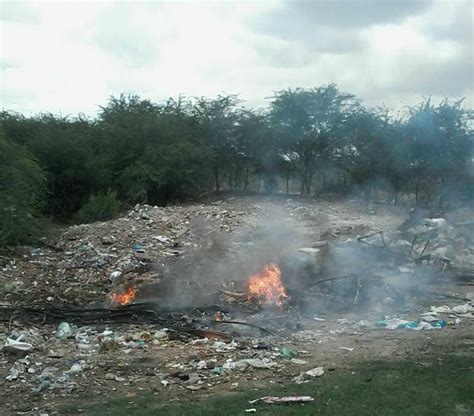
[(99, 207), (22, 194)]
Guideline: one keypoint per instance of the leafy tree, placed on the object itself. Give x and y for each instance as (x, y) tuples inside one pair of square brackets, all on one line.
[(69, 153), (308, 123), (217, 121), (257, 154), (140, 151), (154, 154), (374, 151), (22, 192), (441, 143)]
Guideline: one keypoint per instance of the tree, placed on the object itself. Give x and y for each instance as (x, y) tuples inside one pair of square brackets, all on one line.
[(256, 152), (69, 152), (155, 156), (307, 123), (217, 122), (441, 142), (374, 150), (22, 192)]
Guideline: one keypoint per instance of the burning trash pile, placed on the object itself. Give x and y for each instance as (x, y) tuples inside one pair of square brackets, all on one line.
[(287, 311), (89, 260)]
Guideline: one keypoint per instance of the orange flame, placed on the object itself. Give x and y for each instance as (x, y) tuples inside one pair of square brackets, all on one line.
[(124, 298), (267, 286)]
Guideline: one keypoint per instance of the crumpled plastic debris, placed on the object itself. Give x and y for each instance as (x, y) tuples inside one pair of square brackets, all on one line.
[(17, 344), (441, 309), (258, 363), (462, 309), (418, 325), (285, 399), (287, 352), (64, 330), (315, 372), (17, 369)]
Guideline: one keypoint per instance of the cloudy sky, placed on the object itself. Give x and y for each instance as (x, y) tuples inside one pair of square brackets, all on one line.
[(68, 57)]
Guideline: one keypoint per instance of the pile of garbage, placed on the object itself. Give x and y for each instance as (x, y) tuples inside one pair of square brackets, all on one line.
[(439, 239), (199, 349), (86, 261)]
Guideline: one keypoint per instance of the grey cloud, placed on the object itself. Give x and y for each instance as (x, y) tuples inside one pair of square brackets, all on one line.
[(416, 76), (356, 13), (121, 35), (459, 29), (429, 76), (283, 54), (301, 18), (328, 26)]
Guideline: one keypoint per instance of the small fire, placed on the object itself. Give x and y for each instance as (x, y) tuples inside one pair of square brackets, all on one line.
[(267, 286), (123, 298)]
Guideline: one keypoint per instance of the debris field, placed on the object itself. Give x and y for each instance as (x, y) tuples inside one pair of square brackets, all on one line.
[(213, 297)]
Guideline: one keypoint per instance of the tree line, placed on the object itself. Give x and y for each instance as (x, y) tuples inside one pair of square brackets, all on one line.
[(313, 140)]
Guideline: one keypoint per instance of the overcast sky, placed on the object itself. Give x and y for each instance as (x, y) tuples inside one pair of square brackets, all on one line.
[(69, 56)]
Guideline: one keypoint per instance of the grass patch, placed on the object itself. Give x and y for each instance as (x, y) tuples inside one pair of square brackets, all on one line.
[(442, 387)]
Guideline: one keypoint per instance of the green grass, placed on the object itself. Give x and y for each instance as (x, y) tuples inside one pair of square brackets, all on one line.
[(443, 387)]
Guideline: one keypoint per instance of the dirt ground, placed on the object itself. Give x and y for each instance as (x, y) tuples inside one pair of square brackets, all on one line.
[(143, 359)]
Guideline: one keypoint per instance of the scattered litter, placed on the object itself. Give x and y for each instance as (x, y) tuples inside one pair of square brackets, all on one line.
[(419, 325), (287, 352), (441, 309), (315, 372), (298, 361), (285, 399), (462, 309), (89, 261), (17, 345), (64, 330), (257, 363)]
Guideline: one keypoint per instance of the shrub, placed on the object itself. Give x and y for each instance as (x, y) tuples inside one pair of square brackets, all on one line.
[(22, 194), (99, 207)]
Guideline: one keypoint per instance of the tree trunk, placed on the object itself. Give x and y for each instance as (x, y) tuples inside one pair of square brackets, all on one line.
[(309, 184), (229, 180), (368, 192), (216, 178), (246, 183), (396, 194), (303, 184)]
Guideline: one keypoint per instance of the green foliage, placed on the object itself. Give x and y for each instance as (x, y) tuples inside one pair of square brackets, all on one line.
[(309, 124), (440, 146), (69, 151), (154, 153), (99, 207), (61, 167), (22, 191)]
